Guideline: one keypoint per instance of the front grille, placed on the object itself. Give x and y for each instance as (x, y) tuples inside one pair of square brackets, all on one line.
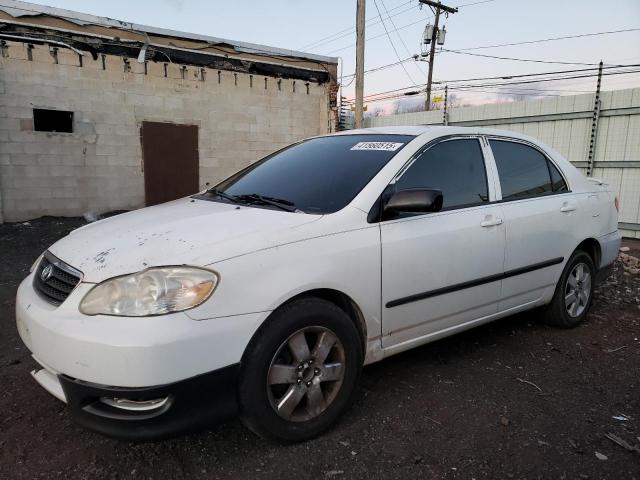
[(54, 284)]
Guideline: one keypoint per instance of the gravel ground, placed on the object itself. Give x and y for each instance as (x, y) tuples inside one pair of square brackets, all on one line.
[(513, 399)]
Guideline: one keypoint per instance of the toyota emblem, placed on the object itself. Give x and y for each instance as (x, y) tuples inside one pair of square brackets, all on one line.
[(46, 273)]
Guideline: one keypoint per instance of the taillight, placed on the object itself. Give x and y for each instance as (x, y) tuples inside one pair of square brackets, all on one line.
[(616, 202)]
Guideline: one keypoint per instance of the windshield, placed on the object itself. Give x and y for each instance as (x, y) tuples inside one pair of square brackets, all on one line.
[(320, 175)]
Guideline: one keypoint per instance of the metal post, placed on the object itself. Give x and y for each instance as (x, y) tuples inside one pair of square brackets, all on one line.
[(594, 124), (359, 62), (445, 114)]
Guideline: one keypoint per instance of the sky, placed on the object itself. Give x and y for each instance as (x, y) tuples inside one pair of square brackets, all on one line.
[(303, 24)]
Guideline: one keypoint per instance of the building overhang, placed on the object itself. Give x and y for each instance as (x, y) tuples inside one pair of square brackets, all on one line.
[(37, 24)]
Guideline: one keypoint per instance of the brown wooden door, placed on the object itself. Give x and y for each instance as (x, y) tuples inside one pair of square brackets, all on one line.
[(170, 154)]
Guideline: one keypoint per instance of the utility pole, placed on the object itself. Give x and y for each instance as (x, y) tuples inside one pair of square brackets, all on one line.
[(359, 61), (434, 37)]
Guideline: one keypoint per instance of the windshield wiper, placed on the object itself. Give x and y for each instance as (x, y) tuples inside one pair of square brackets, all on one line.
[(220, 194), (276, 202)]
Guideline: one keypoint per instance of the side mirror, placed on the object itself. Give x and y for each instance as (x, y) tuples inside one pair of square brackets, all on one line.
[(415, 200)]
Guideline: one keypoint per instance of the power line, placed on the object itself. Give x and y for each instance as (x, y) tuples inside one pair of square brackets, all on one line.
[(540, 93), (381, 67), (399, 93), (502, 84), (514, 59), (348, 31), (557, 72), (476, 89), (580, 73), (375, 2), (559, 62), (395, 28), (370, 22), (376, 36), (390, 65), (522, 82), (551, 39), (527, 42), (408, 25)]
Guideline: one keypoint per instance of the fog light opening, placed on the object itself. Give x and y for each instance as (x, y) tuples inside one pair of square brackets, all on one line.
[(134, 405)]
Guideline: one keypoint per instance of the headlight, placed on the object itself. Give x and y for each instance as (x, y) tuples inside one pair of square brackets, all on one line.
[(155, 291), (35, 264)]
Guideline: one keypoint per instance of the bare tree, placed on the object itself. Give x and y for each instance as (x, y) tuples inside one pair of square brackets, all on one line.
[(375, 112)]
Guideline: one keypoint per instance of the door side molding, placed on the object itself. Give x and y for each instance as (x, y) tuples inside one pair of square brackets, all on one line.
[(473, 283)]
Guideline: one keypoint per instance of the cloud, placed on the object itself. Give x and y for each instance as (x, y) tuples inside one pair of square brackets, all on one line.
[(175, 4), (534, 90)]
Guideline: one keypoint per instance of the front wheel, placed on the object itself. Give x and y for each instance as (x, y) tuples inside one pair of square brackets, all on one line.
[(574, 292), (300, 371)]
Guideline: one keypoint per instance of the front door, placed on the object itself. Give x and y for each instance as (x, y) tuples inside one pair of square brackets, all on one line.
[(440, 270), (170, 154)]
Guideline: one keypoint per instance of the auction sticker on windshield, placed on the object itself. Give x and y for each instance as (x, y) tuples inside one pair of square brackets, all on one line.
[(383, 146)]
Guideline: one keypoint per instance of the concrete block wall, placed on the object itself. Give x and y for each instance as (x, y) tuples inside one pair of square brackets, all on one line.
[(99, 166), (617, 140)]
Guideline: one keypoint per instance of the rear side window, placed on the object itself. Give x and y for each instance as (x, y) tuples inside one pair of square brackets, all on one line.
[(456, 167), (557, 182), (524, 171)]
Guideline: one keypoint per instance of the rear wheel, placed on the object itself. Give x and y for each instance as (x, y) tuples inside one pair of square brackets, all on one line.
[(300, 370), (574, 292)]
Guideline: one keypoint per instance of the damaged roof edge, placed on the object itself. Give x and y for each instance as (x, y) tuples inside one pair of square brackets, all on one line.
[(17, 9)]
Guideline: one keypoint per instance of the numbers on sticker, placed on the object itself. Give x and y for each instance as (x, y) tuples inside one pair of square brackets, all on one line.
[(379, 146)]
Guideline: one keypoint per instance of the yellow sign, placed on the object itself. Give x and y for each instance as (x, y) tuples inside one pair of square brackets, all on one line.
[(438, 99), (364, 109)]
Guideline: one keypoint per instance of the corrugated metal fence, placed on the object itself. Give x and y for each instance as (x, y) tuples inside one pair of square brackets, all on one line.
[(565, 123)]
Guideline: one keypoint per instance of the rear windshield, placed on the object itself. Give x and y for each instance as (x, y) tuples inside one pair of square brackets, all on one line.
[(320, 175)]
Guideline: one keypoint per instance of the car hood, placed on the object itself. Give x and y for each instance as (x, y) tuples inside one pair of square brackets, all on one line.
[(182, 232)]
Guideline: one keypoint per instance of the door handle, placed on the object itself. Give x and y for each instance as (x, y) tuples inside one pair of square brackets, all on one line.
[(491, 223), (567, 208)]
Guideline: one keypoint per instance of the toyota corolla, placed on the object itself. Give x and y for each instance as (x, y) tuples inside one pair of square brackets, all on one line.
[(266, 294)]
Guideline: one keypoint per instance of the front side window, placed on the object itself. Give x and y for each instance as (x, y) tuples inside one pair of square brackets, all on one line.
[(455, 167), (320, 175), (524, 171)]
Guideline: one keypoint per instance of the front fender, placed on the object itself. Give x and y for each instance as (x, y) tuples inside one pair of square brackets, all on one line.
[(261, 281)]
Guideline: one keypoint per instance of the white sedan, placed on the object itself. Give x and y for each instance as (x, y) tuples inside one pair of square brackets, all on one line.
[(267, 294)]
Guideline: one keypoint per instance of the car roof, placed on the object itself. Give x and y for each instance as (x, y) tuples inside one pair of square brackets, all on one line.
[(434, 131), (427, 133)]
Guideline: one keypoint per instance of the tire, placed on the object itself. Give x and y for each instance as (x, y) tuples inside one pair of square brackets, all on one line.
[(563, 312), (291, 394)]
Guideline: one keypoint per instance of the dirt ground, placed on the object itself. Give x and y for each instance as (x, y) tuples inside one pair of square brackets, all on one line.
[(513, 399)]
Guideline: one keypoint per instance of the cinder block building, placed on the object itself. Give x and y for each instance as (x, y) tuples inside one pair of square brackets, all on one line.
[(101, 115)]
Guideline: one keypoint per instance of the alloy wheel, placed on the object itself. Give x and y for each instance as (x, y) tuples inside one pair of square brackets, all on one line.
[(577, 290), (306, 374)]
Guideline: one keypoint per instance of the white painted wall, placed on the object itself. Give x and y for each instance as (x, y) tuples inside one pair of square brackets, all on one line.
[(99, 166), (618, 135)]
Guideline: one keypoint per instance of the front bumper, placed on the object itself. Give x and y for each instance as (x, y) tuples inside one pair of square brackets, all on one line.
[(184, 406), (148, 413), (138, 378)]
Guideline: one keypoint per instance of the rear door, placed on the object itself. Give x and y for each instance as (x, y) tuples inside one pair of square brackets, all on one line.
[(171, 163), (440, 270), (540, 215)]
